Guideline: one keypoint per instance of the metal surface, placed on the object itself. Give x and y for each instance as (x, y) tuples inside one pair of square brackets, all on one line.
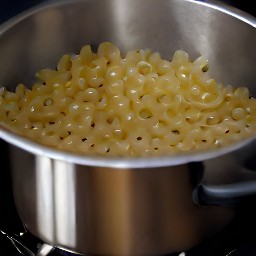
[(106, 211), (119, 206), (45, 250)]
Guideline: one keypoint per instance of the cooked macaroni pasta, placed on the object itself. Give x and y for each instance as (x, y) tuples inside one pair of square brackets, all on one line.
[(136, 105)]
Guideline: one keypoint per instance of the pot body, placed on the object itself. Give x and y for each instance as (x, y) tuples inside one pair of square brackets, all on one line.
[(111, 211), (107, 210)]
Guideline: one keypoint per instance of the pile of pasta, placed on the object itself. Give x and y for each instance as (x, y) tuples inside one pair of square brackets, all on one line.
[(103, 103)]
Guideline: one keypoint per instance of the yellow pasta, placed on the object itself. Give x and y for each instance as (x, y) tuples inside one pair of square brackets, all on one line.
[(138, 104)]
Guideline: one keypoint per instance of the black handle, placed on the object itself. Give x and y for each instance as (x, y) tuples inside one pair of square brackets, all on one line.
[(224, 195)]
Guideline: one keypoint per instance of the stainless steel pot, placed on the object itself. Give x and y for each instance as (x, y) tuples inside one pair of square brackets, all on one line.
[(123, 206)]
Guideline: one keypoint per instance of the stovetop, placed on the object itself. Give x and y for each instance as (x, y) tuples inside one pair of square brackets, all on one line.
[(237, 239)]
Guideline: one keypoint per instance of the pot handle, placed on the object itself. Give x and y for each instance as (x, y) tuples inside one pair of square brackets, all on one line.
[(236, 193), (224, 195)]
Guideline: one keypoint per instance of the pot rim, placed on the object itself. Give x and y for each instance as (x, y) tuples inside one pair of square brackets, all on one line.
[(214, 4), (121, 162), (118, 162)]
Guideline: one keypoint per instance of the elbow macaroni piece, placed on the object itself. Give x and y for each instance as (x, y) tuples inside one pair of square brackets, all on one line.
[(136, 105)]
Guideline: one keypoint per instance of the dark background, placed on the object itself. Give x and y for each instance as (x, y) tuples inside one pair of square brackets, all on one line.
[(9, 8)]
